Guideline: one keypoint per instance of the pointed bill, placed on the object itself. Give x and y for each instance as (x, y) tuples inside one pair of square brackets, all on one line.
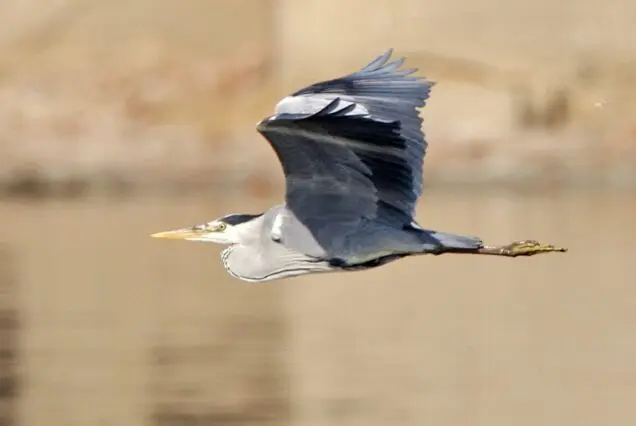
[(177, 234)]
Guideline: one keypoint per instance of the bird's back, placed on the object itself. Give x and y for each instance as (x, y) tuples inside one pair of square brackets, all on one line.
[(352, 242)]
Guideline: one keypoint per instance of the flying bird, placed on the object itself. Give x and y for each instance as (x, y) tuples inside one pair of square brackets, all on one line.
[(352, 152)]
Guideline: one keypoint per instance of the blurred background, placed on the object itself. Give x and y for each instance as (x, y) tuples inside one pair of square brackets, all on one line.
[(123, 118)]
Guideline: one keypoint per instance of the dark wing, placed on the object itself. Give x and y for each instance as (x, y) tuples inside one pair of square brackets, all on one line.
[(352, 148), (389, 94)]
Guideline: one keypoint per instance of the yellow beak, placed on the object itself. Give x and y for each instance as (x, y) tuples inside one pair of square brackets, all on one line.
[(177, 234)]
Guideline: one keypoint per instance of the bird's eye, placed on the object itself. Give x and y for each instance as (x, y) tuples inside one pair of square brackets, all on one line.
[(220, 226)]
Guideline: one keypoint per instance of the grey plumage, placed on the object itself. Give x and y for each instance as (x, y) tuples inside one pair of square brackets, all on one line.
[(352, 151), (260, 258)]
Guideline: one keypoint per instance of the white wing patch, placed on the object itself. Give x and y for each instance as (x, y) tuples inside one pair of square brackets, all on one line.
[(311, 104)]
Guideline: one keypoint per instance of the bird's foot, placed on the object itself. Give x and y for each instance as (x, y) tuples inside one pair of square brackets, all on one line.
[(526, 248)]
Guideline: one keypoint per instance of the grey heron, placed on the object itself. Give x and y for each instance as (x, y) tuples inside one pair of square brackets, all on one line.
[(352, 152)]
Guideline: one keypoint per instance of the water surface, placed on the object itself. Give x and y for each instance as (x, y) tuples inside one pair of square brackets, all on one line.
[(112, 327)]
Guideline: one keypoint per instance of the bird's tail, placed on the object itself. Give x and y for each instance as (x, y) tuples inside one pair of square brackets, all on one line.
[(443, 241), (454, 241)]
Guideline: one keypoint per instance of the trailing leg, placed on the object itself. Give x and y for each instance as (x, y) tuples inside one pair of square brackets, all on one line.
[(517, 248)]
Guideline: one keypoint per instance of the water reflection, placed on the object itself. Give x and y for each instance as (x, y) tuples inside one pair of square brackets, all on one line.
[(10, 382), (119, 328)]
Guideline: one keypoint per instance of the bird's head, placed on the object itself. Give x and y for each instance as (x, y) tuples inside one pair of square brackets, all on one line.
[(230, 229)]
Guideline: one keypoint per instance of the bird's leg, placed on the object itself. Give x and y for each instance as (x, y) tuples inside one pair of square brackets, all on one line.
[(519, 248)]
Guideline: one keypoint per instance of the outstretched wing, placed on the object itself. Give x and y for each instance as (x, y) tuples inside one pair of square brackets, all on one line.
[(352, 148)]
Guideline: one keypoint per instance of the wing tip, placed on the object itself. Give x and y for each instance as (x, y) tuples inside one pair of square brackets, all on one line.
[(384, 64), (379, 61)]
